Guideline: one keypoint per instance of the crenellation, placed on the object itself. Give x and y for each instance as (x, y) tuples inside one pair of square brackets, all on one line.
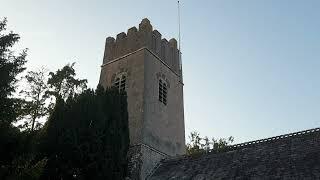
[(179, 62), (145, 36), (132, 30), (109, 49), (173, 43), (176, 61), (165, 51), (121, 44), (174, 54), (110, 40), (132, 39), (156, 42), (145, 31), (145, 26), (121, 36)]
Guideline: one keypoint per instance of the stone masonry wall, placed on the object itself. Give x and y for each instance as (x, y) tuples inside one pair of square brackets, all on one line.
[(163, 125), (133, 66), (142, 160)]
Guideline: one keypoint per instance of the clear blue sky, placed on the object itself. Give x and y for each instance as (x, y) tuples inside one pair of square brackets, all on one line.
[(251, 67)]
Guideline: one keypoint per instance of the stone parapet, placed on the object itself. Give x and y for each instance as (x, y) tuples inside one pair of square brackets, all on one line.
[(145, 36)]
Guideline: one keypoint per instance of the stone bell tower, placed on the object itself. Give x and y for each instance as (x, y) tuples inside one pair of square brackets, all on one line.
[(147, 67)]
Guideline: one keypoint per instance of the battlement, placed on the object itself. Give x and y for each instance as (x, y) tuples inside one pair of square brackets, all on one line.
[(145, 36)]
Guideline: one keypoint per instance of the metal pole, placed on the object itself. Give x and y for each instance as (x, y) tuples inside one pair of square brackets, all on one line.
[(180, 63)]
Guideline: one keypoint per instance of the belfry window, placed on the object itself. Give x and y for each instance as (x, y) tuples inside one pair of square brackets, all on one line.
[(120, 82), (162, 92)]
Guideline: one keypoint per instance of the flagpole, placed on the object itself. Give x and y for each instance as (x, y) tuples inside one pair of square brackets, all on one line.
[(179, 24), (179, 36)]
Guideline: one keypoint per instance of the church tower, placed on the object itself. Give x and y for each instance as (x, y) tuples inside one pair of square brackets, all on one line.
[(147, 67)]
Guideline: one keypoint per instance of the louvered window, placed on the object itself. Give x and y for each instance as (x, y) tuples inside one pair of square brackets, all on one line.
[(163, 92), (120, 83)]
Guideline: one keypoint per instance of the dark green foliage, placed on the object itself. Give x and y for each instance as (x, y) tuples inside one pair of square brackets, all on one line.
[(64, 84), (26, 169), (9, 143), (10, 108), (88, 136), (10, 66), (19, 160)]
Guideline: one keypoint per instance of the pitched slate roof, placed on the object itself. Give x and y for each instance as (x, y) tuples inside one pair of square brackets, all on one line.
[(290, 156)]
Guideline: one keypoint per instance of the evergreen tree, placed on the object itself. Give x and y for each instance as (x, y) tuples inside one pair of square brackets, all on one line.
[(88, 136), (64, 84), (10, 66)]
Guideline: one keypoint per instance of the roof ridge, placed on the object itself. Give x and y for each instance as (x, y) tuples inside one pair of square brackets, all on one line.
[(292, 155), (274, 138), (244, 145)]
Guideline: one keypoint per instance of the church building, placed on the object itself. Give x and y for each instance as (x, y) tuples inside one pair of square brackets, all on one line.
[(148, 68)]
